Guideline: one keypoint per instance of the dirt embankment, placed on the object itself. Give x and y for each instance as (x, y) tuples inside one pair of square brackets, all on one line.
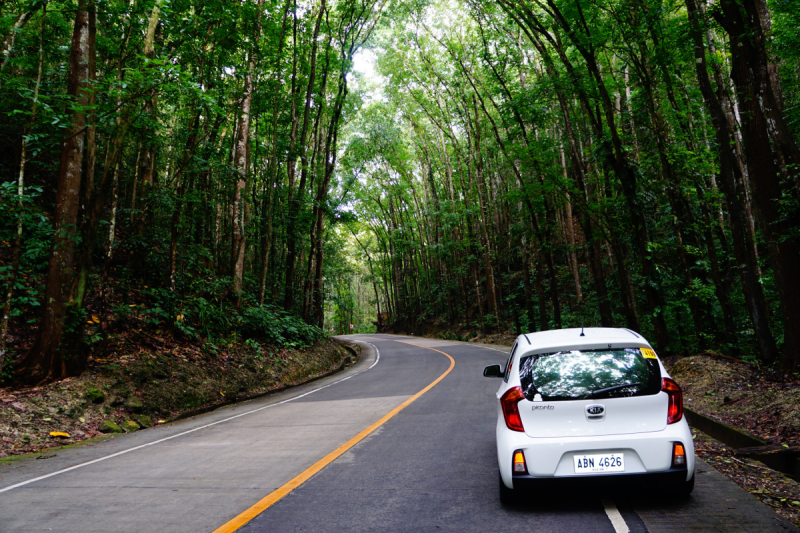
[(751, 399), (741, 395), (453, 333), (127, 392)]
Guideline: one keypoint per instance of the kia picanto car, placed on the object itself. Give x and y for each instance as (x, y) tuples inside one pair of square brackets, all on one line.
[(577, 404)]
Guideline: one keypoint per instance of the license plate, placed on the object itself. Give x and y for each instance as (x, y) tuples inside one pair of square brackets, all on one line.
[(599, 462)]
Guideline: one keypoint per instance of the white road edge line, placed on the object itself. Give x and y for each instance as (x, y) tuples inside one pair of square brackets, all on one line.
[(123, 452), (614, 515), (378, 358)]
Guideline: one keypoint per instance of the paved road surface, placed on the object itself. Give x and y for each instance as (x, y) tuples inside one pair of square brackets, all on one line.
[(429, 466)]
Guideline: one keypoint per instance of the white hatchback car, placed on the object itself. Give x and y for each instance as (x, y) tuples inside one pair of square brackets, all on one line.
[(577, 404)]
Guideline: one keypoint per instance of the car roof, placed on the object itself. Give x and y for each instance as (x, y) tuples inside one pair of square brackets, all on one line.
[(571, 339)]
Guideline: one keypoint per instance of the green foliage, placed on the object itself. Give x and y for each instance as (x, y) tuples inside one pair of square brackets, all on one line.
[(452, 336), (489, 158), (94, 396), (207, 316), (278, 327), (7, 372), (786, 43), (35, 245), (466, 178)]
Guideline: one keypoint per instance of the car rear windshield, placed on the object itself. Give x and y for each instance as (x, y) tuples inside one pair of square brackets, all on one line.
[(585, 374)]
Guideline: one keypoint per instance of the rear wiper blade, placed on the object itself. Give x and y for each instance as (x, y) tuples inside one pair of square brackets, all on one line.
[(597, 392)]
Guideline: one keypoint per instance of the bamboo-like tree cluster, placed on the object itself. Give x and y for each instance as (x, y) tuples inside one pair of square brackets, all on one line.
[(628, 163), (529, 165), (178, 147)]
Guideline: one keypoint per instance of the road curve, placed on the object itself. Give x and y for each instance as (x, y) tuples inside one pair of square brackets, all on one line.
[(372, 453)]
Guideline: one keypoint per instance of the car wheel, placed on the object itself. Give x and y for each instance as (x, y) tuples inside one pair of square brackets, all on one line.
[(507, 496)]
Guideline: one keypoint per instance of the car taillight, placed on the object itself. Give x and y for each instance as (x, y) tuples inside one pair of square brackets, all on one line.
[(675, 405), (519, 463), (678, 455), (509, 403)]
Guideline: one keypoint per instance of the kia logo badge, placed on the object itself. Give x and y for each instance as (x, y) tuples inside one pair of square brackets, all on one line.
[(595, 409)]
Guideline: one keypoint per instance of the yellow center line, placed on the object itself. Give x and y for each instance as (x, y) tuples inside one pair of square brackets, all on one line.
[(264, 504)]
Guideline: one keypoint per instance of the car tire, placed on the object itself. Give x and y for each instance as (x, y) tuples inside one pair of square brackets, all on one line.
[(684, 490), (507, 496)]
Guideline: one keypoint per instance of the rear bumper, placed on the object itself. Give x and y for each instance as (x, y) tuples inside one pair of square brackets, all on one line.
[(672, 478), (648, 456)]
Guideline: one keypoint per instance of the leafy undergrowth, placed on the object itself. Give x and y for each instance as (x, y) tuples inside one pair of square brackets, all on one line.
[(153, 353), (161, 378), (742, 395), (771, 487), (506, 339)]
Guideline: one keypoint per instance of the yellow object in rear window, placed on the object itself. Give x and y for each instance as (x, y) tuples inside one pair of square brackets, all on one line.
[(648, 353)]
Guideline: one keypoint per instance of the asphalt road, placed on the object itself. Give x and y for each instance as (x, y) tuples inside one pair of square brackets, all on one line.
[(362, 450)]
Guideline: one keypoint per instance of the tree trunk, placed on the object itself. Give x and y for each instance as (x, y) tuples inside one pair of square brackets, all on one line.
[(526, 272), (743, 246), (90, 197), (570, 231), (46, 360), (296, 201), (544, 323), (293, 202), (242, 167), (272, 181)]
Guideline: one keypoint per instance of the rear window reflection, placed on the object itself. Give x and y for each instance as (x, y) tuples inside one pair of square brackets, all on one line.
[(587, 374)]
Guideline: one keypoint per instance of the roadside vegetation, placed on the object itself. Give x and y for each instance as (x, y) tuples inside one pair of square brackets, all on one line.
[(169, 169), (169, 207), (220, 170)]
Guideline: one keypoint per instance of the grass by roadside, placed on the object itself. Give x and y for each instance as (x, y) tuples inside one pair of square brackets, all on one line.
[(742, 395), (127, 392), (51, 452)]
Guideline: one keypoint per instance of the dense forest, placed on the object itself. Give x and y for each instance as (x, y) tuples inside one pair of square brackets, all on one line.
[(218, 169), (544, 164), (176, 158)]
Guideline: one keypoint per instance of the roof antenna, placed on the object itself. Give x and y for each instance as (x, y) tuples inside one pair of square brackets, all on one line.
[(582, 333)]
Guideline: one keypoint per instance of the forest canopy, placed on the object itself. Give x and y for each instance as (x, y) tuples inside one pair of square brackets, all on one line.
[(545, 164), (511, 166)]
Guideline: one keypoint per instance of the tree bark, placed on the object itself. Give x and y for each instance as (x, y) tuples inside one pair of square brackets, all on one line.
[(744, 248), (47, 360), (296, 200), (570, 233), (242, 164)]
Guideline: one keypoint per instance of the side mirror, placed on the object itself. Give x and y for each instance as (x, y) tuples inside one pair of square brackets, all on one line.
[(493, 371)]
